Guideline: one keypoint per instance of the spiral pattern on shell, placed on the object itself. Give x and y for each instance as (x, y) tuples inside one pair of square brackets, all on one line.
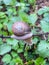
[(20, 28)]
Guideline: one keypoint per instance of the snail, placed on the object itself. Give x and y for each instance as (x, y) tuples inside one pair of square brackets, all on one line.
[(22, 31)]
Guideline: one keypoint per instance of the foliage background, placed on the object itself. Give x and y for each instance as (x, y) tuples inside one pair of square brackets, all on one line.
[(14, 52)]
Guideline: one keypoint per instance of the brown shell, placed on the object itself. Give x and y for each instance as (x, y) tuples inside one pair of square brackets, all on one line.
[(20, 28)]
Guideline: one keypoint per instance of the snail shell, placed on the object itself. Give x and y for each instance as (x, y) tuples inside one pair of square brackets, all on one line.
[(20, 28)]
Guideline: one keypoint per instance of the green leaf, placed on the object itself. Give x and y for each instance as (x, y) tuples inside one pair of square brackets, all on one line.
[(16, 61), (12, 62), (47, 63), (2, 15), (19, 50), (15, 19), (43, 49), (46, 19), (21, 43), (35, 40), (46, 14), (4, 20), (19, 61), (13, 2), (13, 42), (1, 42), (44, 26), (7, 2), (1, 25), (6, 58), (15, 47), (0, 2), (30, 62), (4, 48), (40, 61), (9, 26), (1, 32), (43, 10), (33, 18), (25, 53), (14, 54), (24, 17), (20, 4), (5, 33), (32, 1), (11, 11), (1, 7)]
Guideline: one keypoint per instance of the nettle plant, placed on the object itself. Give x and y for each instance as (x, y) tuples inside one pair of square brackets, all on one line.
[(12, 50)]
